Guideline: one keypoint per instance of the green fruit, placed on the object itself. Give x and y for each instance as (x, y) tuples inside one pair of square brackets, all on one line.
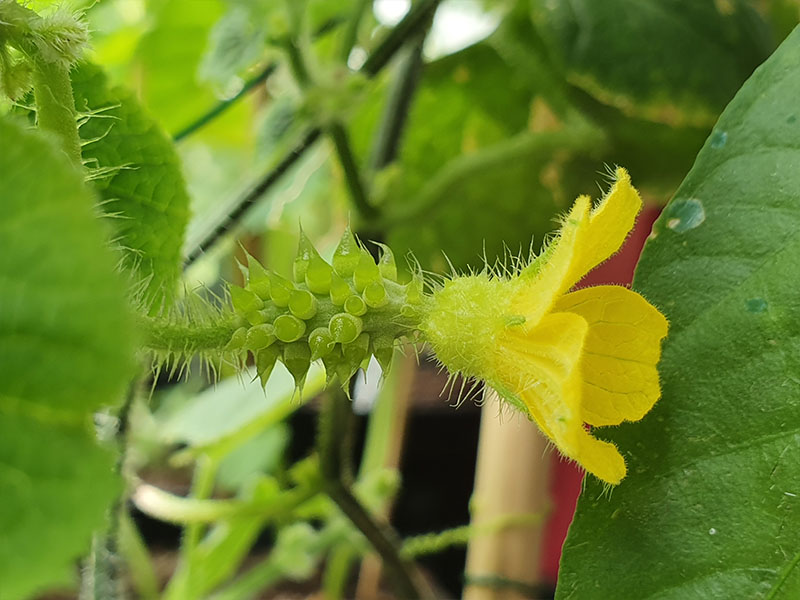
[(244, 301), (355, 305), (321, 342), (345, 328), (289, 328), (375, 295), (340, 290), (346, 256), (260, 337), (265, 362), (386, 264), (280, 289), (366, 271), (302, 304), (257, 278), (297, 358)]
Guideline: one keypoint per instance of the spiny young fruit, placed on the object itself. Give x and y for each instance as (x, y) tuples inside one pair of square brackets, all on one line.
[(340, 313)]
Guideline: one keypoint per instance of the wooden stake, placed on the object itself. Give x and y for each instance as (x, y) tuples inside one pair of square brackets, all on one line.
[(511, 481)]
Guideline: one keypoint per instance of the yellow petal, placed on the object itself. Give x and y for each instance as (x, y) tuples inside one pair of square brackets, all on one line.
[(543, 280), (620, 354), (609, 224), (601, 459)]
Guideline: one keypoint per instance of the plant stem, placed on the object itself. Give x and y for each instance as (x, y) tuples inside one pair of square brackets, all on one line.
[(248, 86), (249, 198), (395, 113), (162, 334), (224, 105), (381, 55), (403, 573), (414, 19), (55, 105), (352, 176), (351, 33)]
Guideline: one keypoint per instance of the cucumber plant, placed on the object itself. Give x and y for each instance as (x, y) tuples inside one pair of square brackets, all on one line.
[(110, 222)]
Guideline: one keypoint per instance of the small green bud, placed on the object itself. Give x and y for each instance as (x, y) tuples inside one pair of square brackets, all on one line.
[(256, 317), (366, 271), (340, 290), (375, 294), (353, 354), (386, 264), (346, 256), (409, 312), (289, 328), (305, 250), (302, 304), (414, 290), (332, 362), (237, 339), (319, 275), (355, 305), (383, 350), (321, 342), (345, 328), (265, 362), (260, 336), (297, 358), (280, 289), (244, 301), (257, 278)]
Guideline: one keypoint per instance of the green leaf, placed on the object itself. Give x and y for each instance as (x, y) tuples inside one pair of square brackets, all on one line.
[(144, 190), (66, 351), (671, 61), (517, 186), (169, 56), (711, 505)]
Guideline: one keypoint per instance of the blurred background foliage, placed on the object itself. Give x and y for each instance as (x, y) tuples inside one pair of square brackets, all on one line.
[(481, 130)]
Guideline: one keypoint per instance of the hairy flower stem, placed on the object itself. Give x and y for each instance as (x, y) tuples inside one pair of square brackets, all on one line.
[(55, 105), (164, 334)]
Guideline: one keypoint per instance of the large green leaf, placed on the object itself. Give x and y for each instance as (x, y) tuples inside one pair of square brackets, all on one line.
[(65, 351), (672, 61), (711, 504), (144, 190), (517, 186)]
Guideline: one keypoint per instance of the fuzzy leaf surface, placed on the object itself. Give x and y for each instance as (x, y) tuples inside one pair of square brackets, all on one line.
[(711, 505), (145, 192), (653, 58), (66, 350)]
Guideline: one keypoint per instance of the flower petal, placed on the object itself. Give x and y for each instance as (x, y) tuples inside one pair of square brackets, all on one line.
[(542, 281), (620, 354), (609, 224), (601, 459), (544, 367)]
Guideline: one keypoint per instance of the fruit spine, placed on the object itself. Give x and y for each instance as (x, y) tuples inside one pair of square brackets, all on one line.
[(341, 313)]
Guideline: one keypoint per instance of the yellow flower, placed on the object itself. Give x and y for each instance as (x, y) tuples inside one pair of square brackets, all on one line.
[(564, 358)]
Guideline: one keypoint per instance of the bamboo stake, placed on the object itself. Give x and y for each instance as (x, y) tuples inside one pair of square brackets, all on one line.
[(511, 480)]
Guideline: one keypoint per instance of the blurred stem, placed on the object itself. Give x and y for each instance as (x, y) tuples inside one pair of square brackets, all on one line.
[(395, 113), (416, 18), (137, 558), (202, 485), (337, 570), (224, 105), (248, 86), (338, 135), (407, 581), (352, 174), (375, 62), (351, 32)]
